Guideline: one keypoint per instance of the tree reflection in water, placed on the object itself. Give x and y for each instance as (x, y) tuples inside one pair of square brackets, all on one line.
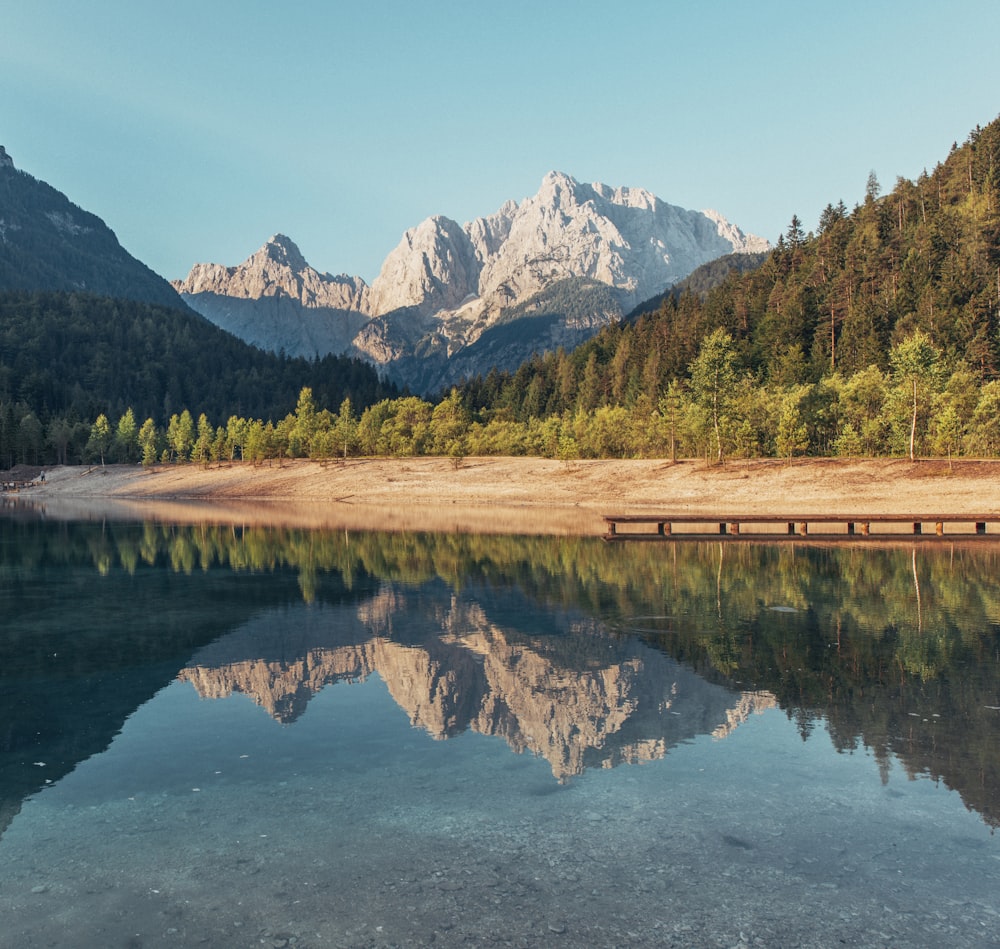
[(589, 654)]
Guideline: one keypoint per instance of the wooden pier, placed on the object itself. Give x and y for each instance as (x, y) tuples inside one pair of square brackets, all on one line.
[(15, 486), (773, 527)]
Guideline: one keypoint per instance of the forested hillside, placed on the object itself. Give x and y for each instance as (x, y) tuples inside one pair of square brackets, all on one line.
[(48, 243), (66, 358), (877, 335), (878, 330)]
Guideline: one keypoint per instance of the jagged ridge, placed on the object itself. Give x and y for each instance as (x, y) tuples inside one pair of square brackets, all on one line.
[(446, 284)]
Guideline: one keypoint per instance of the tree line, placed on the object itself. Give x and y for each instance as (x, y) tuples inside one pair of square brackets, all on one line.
[(878, 335), (919, 406), (821, 310), (67, 358)]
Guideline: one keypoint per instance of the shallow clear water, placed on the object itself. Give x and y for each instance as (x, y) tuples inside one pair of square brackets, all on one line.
[(222, 737)]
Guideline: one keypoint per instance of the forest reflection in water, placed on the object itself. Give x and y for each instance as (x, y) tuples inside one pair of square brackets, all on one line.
[(223, 736), (586, 654)]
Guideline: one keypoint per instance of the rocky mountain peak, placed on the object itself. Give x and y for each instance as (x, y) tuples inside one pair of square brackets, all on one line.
[(5, 160), (445, 285), (277, 269), (434, 267), (284, 251)]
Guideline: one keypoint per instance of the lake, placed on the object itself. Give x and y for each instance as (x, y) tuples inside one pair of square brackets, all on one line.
[(213, 735)]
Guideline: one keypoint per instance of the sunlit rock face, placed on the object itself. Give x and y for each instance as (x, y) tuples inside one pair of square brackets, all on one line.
[(626, 238), (599, 702), (276, 301), (444, 285), (434, 267), (277, 268)]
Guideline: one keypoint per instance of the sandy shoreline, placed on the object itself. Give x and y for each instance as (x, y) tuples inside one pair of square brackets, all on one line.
[(510, 495)]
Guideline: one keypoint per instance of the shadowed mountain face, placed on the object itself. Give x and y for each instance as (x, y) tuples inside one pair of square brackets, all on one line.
[(587, 654), (48, 243)]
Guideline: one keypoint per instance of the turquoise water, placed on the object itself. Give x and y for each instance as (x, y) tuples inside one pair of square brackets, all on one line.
[(219, 737)]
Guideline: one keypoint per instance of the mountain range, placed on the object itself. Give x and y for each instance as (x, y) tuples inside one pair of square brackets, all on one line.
[(86, 328), (453, 301), (450, 301)]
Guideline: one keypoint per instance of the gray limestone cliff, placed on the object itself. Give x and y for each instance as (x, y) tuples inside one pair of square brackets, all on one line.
[(276, 301), (445, 285)]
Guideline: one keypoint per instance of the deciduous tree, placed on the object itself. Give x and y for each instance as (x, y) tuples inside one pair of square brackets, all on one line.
[(914, 364), (100, 438), (713, 375)]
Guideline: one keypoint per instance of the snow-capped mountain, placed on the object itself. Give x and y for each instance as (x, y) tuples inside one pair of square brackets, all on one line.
[(445, 285)]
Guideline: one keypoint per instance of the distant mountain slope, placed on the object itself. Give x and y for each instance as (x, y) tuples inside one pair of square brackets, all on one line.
[(48, 243), (445, 284), (79, 355), (702, 280), (276, 301)]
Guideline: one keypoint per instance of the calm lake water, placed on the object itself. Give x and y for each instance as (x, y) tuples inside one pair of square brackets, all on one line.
[(215, 736)]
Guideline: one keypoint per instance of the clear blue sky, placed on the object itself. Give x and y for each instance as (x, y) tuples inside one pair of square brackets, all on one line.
[(198, 129)]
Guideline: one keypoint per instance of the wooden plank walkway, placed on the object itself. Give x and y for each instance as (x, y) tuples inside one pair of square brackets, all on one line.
[(799, 526), (15, 485)]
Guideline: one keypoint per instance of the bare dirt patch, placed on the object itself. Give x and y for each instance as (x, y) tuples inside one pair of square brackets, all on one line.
[(515, 495)]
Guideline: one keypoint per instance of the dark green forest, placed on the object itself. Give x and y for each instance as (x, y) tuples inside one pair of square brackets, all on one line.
[(67, 359)]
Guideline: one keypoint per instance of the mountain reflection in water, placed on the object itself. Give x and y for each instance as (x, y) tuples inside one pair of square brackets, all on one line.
[(613, 700), (588, 654)]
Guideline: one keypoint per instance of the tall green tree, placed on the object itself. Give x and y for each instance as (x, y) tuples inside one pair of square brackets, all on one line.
[(60, 434), (304, 427), (126, 438), (346, 429), (671, 410), (236, 436), (31, 438), (713, 377), (148, 440), (100, 439), (201, 452), (914, 364), (180, 435), (449, 424), (792, 436)]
